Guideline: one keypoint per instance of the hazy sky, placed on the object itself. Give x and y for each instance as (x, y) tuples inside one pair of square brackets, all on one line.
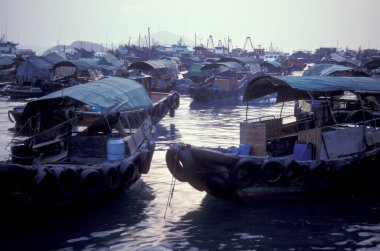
[(288, 24)]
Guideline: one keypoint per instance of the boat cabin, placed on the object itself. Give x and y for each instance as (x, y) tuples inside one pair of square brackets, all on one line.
[(333, 117)]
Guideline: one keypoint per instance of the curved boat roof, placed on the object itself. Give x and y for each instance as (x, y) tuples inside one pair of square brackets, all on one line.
[(331, 69), (149, 64), (290, 88), (108, 95)]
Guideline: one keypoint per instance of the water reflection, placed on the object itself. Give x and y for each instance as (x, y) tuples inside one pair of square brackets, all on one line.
[(295, 225), (194, 221), (102, 224)]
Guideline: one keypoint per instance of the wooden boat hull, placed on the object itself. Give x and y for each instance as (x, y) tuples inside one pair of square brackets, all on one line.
[(23, 183), (207, 94), (247, 178)]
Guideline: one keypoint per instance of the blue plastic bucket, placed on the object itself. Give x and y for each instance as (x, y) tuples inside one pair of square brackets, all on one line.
[(303, 151), (115, 149), (244, 149), (233, 151)]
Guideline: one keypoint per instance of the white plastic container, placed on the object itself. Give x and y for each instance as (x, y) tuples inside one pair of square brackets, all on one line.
[(115, 149)]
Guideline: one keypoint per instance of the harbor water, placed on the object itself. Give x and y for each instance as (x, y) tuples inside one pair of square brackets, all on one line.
[(148, 218)]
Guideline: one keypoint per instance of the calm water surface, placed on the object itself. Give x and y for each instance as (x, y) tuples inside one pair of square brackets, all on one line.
[(193, 220)]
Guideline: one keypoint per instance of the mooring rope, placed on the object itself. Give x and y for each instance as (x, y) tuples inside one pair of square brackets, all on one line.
[(172, 185)]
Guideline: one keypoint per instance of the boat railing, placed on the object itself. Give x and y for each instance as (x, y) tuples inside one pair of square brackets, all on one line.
[(257, 119), (53, 134), (373, 124)]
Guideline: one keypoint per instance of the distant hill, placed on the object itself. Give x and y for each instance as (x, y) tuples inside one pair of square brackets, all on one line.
[(161, 37), (89, 46)]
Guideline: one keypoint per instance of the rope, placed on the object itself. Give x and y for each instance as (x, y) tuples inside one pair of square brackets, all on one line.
[(172, 185)]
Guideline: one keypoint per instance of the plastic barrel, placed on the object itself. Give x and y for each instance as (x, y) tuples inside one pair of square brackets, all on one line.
[(244, 149), (303, 151), (115, 149)]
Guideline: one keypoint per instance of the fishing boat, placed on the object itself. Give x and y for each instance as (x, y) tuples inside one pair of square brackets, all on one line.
[(330, 146), (16, 92), (56, 159), (224, 80), (163, 103)]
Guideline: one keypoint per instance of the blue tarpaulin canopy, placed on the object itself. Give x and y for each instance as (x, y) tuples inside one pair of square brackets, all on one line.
[(332, 69), (290, 88), (108, 95)]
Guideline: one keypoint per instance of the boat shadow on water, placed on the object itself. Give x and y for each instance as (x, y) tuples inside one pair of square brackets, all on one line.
[(96, 225), (281, 225)]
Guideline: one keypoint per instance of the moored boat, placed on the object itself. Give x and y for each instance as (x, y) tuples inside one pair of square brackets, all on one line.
[(329, 147), (163, 103), (57, 160)]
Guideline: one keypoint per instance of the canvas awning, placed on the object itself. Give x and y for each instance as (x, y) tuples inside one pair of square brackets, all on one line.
[(331, 69), (108, 95), (290, 88)]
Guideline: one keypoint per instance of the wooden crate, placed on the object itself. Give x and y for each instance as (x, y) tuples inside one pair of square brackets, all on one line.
[(254, 134)]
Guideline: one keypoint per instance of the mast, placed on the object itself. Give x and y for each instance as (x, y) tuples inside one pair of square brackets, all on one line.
[(149, 55)]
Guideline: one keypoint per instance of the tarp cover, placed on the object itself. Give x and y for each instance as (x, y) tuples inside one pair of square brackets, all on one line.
[(328, 69), (6, 61), (84, 64), (290, 88), (32, 69), (107, 95)]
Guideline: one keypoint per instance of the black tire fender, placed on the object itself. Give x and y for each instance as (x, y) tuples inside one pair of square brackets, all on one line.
[(244, 173), (68, 181), (144, 161), (110, 176), (180, 162), (272, 171), (292, 172), (91, 183), (174, 101), (128, 172), (45, 184)]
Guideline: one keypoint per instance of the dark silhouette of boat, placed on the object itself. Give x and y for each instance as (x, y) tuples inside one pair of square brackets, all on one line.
[(329, 147), (57, 158)]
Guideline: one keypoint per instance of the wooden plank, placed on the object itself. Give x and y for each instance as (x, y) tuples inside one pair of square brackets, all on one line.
[(273, 128), (313, 136), (254, 134)]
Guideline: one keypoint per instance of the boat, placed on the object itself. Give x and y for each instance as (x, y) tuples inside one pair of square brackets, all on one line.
[(224, 80), (164, 73), (163, 103), (329, 147), (56, 159), (16, 92)]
